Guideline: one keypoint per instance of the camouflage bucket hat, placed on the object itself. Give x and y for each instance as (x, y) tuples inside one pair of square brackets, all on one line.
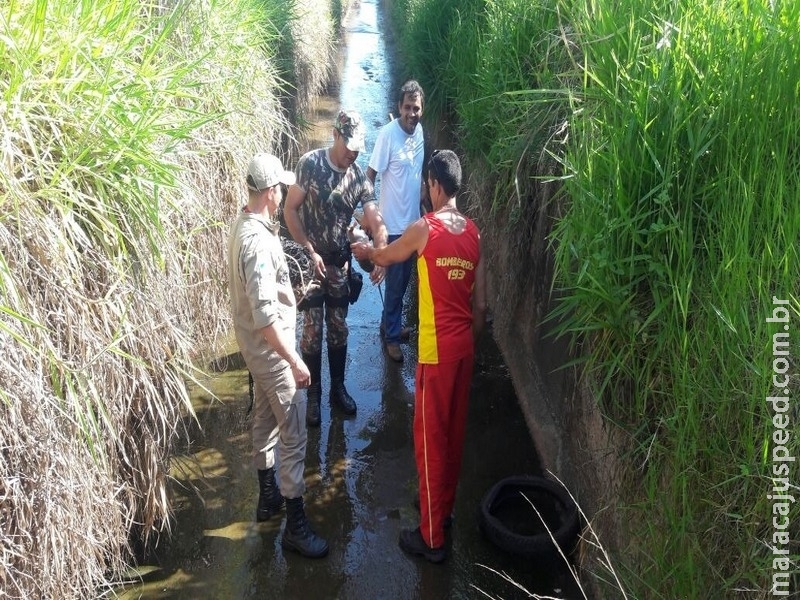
[(350, 125)]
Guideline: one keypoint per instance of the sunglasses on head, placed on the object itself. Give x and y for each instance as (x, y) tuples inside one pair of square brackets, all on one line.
[(432, 167)]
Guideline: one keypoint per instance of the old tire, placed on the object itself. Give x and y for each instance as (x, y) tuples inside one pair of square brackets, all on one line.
[(508, 520)]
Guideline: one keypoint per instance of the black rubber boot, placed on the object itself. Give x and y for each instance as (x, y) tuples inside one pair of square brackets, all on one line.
[(297, 535), (314, 391), (270, 500), (337, 358)]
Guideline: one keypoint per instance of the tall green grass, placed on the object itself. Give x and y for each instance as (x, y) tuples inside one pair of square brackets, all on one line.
[(124, 130), (499, 72), (673, 129), (426, 44), (301, 46), (683, 224)]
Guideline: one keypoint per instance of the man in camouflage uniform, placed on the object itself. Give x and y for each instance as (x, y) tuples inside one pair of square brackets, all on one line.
[(319, 208)]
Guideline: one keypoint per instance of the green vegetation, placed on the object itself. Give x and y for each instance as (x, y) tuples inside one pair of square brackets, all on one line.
[(426, 43), (125, 128), (673, 130)]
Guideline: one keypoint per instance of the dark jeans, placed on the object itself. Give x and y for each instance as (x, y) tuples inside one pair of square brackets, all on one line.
[(397, 277)]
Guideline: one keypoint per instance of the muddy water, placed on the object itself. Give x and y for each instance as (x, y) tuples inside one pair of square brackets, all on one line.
[(360, 473)]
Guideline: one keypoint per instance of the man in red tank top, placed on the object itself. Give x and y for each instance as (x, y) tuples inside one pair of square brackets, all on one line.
[(452, 308)]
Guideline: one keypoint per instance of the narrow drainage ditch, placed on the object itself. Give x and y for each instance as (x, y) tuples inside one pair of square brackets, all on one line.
[(360, 473)]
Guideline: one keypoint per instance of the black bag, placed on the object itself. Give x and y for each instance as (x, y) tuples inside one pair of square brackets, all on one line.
[(355, 281)]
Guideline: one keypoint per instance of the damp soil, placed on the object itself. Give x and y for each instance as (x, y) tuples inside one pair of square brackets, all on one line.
[(360, 472)]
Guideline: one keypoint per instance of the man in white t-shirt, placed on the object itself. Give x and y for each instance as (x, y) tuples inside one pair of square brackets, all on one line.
[(398, 157)]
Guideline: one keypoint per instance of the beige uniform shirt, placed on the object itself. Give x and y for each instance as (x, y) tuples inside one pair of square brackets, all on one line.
[(260, 290)]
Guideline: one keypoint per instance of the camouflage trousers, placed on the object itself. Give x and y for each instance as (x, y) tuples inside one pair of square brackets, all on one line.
[(329, 306)]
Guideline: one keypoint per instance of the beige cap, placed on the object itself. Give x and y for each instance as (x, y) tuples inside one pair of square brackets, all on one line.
[(265, 170)]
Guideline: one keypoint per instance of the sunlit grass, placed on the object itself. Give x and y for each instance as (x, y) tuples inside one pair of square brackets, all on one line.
[(426, 29), (124, 130), (672, 130), (683, 225)]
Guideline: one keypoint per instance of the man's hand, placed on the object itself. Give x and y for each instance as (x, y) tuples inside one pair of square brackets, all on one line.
[(300, 372), (377, 275), (361, 250), (320, 272)]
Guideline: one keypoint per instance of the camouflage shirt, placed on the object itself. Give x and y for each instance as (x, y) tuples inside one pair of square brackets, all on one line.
[(331, 197)]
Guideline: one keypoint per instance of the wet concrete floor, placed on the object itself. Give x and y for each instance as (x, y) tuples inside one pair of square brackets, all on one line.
[(360, 473)]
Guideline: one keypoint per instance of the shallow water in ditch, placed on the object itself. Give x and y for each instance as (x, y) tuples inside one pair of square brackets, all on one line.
[(360, 473)]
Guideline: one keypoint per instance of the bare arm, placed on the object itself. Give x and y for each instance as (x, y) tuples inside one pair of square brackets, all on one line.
[(413, 240), (291, 213), (277, 339), (479, 298), (373, 220), (371, 174), (375, 224)]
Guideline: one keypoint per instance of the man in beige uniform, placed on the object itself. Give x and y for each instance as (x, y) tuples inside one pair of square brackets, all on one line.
[(264, 316)]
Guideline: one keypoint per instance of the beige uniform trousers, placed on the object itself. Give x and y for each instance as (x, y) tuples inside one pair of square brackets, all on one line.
[(279, 429)]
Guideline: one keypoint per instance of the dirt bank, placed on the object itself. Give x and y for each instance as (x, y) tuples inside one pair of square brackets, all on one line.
[(562, 415)]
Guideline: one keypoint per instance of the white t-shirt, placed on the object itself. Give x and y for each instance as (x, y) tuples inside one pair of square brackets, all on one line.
[(397, 158)]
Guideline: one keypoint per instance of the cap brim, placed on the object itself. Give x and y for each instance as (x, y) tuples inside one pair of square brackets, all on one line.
[(355, 143), (287, 178)]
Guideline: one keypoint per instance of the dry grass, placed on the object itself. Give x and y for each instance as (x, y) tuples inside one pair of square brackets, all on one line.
[(91, 403), (122, 143), (313, 53)]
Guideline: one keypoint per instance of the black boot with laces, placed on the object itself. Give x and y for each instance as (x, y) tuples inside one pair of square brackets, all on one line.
[(270, 500), (297, 535)]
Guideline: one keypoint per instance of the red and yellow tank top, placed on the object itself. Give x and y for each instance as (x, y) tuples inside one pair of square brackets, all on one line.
[(446, 271)]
